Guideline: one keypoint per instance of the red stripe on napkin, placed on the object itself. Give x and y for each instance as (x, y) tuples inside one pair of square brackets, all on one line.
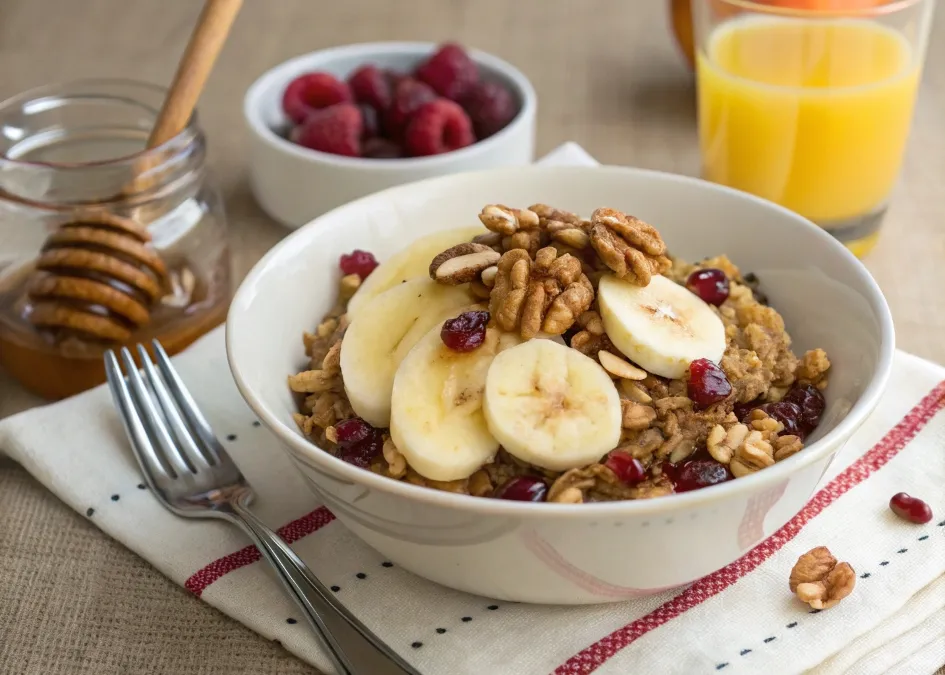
[(291, 532), (594, 656)]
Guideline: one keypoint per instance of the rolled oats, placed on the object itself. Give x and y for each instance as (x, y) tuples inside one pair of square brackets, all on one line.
[(752, 455), (722, 443), (539, 268), (636, 416)]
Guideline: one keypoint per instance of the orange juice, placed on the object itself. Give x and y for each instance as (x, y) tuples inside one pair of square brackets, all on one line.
[(812, 114)]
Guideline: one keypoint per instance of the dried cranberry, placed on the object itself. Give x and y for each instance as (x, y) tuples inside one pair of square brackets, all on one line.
[(742, 410), (352, 431), (466, 332), (787, 413), (699, 473), (358, 262), (710, 284), (523, 489), (910, 508), (361, 453), (358, 441), (811, 402), (707, 383), (628, 468)]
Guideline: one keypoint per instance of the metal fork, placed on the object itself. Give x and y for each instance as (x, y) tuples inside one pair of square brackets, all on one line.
[(191, 475)]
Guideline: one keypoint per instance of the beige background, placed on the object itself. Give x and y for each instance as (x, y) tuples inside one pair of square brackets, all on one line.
[(608, 76)]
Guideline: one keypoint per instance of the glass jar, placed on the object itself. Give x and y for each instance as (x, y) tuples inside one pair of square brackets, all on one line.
[(103, 243)]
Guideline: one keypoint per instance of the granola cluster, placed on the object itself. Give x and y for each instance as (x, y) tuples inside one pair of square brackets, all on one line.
[(538, 269)]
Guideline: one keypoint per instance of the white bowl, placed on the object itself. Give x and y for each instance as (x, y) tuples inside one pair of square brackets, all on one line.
[(555, 553), (294, 184)]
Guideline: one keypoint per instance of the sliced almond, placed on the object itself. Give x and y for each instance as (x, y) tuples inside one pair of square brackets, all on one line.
[(634, 391), (620, 368)]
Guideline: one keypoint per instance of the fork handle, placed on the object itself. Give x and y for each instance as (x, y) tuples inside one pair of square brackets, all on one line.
[(351, 646)]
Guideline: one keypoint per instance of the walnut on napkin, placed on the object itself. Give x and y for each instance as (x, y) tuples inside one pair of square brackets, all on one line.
[(819, 580)]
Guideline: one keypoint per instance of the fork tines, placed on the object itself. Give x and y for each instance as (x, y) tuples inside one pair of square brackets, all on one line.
[(169, 435)]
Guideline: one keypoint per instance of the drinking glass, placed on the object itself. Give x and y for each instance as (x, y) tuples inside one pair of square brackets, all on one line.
[(810, 108)]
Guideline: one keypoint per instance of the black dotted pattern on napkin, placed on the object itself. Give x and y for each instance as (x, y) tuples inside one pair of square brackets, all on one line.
[(866, 575)]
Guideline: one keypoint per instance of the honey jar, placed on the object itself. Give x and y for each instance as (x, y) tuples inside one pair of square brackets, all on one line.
[(102, 242)]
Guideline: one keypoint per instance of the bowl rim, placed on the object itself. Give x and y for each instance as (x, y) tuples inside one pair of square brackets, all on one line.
[(315, 457), (254, 97)]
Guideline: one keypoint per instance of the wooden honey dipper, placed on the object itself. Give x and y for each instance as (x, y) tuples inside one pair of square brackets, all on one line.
[(97, 276)]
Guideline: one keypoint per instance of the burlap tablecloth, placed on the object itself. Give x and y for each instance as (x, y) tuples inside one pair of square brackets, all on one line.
[(608, 76)]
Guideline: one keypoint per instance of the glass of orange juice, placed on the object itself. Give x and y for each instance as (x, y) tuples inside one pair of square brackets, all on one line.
[(808, 103)]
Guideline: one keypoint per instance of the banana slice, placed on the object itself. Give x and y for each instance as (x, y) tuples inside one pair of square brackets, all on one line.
[(379, 337), (662, 327), (413, 261), (551, 406), (436, 418)]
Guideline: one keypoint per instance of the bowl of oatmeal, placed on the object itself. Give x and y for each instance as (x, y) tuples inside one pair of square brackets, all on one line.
[(557, 384)]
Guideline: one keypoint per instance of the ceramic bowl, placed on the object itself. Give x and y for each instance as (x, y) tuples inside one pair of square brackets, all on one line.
[(555, 553), (293, 184)]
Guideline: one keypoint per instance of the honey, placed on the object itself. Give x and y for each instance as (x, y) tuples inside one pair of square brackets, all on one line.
[(102, 244)]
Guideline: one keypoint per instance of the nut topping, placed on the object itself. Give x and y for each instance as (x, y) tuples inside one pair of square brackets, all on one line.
[(462, 263), (631, 248), (546, 295), (618, 367), (507, 221), (819, 580)]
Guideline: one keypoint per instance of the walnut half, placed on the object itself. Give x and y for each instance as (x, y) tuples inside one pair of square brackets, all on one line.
[(545, 295), (819, 580), (631, 248)]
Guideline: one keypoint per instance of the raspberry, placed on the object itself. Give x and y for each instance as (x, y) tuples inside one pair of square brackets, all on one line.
[(449, 71), (381, 148), (336, 130), (358, 262), (439, 126), (369, 122), (313, 91), (409, 96), (371, 86), (490, 106)]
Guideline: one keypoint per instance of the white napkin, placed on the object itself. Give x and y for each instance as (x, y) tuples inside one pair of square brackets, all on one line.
[(740, 619)]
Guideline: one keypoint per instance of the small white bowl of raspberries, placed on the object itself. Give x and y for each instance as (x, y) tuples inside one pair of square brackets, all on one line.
[(340, 123)]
